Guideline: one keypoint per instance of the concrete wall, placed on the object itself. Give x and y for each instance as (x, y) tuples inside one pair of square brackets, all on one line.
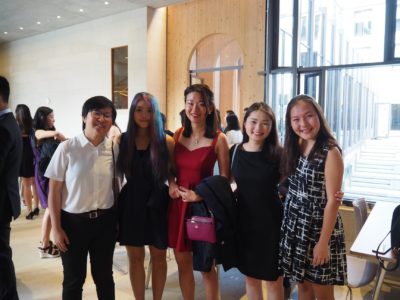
[(63, 68)]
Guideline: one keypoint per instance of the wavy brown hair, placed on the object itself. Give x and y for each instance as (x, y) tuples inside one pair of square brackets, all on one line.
[(292, 151)]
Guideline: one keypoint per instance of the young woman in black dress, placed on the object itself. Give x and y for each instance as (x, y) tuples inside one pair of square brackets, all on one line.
[(27, 170), (143, 159), (255, 168)]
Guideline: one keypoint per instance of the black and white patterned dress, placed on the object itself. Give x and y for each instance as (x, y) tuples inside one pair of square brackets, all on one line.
[(302, 225)]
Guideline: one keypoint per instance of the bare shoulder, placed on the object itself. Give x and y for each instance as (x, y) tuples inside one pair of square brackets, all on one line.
[(170, 141), (222, 138), (334, 159), (222, 142), (334, 154)]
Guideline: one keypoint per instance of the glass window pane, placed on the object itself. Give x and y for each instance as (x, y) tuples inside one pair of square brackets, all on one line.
[(340, 32), (397, 37), (281, 87), (120, 77), (285, 33)]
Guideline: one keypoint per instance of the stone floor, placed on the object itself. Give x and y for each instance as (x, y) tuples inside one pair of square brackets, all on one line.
[(41, 278)]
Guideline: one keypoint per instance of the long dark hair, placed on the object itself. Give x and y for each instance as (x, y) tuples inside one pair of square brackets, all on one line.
[(292, 151), (211, 120), (24, 118), (158, 147), (40, 119), (271, 147)]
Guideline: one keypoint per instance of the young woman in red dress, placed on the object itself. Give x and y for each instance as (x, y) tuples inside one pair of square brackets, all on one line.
[(198, 145)]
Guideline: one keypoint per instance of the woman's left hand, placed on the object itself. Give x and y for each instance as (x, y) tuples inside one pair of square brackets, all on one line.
[(339, 196), (188, 195), (320, 254)]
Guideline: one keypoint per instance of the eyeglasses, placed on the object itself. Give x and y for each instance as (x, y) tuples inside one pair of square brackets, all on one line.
[(98, 114)]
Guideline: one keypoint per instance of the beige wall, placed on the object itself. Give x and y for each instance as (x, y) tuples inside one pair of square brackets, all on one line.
[(190, 22), (62, 68)]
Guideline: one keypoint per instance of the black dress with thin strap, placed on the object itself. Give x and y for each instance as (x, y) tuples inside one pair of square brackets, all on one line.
[(142, 206), (27, 169)]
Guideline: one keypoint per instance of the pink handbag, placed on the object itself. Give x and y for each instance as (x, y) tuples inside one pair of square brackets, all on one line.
[(201, 229)]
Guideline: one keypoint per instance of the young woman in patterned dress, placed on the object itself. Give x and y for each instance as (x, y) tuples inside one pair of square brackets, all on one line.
[(312, 248)]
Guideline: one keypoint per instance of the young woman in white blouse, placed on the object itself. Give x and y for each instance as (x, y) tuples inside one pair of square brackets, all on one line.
[(81, 201)]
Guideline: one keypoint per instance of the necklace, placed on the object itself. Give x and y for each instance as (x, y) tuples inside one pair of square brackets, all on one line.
[(196, 140)]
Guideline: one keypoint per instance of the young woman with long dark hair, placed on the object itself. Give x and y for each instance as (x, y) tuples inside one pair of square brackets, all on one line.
[(312, 247), (27, 170), (198, 145), (45, 132), (143, 159)]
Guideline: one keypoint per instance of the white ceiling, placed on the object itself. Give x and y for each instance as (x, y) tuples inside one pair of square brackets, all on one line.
[(27, 13)]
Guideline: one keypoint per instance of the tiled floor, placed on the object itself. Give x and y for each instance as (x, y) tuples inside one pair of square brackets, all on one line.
[(41, 278)]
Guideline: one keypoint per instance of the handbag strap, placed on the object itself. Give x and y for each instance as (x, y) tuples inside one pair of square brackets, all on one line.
[(233, 155), (114, 179)]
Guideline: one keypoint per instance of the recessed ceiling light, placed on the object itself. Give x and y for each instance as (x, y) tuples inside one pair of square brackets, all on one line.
[(5, 32), (81, 9), (38, 22), (58, 17), (106, 2), (21, 28)]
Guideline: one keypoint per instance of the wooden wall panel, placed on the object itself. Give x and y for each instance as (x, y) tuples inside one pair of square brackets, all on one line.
[(189, 23)]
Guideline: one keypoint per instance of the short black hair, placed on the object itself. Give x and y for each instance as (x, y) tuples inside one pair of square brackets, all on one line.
[(4, 89), (95, 103)]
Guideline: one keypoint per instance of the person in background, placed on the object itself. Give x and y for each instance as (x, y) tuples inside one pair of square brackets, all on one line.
[(45, 132), (27, 170), (227, 113), (164, 122), (143, 159), (232, 130), (312, 247), (82, 199), (10, 203), (198, 145), (255, 167), (182, 116)]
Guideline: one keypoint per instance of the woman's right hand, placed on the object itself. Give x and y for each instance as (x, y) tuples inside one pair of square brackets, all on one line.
[(173, 190), (59, 136), (61, 239)]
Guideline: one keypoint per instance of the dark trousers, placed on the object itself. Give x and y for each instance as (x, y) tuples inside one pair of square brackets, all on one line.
[(8, 282), (96, 237)]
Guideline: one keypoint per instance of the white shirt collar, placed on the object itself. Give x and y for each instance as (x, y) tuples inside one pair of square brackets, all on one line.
[(83, 140)]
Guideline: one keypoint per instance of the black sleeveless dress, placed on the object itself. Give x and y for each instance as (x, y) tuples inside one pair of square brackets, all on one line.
[(27, 169), (260, 214), (142, 206)]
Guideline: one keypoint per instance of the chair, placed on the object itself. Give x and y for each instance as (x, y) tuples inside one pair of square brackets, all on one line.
[(360, 272)]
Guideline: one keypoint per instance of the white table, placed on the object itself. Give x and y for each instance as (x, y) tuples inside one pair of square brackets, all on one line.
[(372, 233)]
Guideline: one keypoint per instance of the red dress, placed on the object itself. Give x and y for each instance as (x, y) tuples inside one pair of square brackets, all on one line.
[(191, 166)]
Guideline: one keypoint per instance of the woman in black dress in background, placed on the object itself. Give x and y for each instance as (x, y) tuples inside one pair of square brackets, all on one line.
[(27, 170), (255, 168), (143, 159)]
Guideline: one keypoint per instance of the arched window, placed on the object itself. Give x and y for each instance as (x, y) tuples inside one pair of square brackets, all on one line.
[(217, 61)]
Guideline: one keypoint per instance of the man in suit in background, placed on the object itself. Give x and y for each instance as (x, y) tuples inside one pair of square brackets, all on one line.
[(10, 205)]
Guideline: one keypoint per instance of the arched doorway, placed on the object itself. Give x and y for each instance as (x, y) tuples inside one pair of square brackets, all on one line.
[(217, 61)]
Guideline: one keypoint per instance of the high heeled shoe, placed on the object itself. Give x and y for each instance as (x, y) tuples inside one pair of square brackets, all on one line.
[(50, 251), (30, 216), (36, 211)]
